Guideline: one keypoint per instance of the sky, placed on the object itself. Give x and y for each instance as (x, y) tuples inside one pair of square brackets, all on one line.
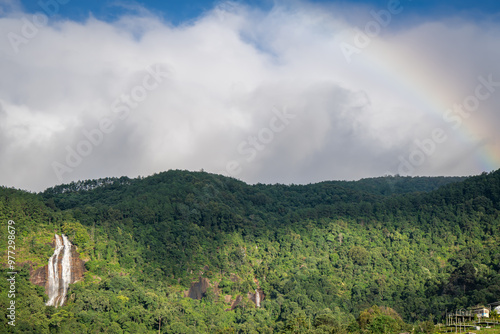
[(296, 91)]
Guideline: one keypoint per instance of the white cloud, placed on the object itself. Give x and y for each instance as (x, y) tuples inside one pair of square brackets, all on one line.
[(228, 70)]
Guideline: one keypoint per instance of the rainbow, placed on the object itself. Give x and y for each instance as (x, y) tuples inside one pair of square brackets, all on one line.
[(402, 74)]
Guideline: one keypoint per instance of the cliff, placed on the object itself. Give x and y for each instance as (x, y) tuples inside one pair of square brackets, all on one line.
[(65, 267), (256, 297)]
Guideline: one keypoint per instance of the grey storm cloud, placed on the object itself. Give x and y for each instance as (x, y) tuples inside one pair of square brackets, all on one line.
[(261, 96)]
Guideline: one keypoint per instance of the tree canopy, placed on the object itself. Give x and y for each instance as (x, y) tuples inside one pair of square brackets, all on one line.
[(373, 255)]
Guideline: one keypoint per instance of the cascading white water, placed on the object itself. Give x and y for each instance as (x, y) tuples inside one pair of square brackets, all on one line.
[(257, 298), (58, 281), (66, 268), (53, 275)]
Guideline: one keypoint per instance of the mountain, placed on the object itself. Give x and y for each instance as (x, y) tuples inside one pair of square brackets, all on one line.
[(193, 252)]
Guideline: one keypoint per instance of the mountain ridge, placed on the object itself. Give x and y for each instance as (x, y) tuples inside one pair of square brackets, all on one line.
[(329, 249)]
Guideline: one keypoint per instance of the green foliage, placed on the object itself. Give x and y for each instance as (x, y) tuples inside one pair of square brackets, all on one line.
[(359, 255), (381, 320), (323, 254), (79, 236)]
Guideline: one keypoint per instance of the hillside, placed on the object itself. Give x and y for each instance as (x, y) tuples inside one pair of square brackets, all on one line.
[(321, 254)]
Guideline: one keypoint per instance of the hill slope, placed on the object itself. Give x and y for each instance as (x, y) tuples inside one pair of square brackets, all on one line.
[(320, 253)]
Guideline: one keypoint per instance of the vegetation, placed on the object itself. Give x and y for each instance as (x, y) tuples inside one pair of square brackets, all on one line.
[(384, 255)]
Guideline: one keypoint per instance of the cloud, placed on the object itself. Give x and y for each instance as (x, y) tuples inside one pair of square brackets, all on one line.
[(229, 73)]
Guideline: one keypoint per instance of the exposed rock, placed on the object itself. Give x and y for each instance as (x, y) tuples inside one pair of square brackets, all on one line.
[(256, 297), (199, 289), (236, 302), (40, 276), (77, 266), (216, 288)]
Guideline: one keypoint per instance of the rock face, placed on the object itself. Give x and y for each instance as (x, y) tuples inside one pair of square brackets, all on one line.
[(227, 299), (39, 276), (64, 268), (235, 303), (77, 266), (198, 289), (256, 297)]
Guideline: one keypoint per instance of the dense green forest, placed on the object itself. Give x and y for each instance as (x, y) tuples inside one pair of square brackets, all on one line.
[(382, 255)]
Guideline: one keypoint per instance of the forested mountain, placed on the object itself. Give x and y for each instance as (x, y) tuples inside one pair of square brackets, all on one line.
[(378, 255), (396, 185)]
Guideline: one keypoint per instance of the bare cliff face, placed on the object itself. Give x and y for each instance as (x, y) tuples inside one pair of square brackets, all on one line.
[(198, 291), (64, 267), (77, 266), (256, 297), (39, 276)]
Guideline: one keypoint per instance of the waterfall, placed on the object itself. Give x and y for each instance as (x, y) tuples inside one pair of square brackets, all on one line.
[(257, 298), (66, 268), (59, 272), (53, 273)]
